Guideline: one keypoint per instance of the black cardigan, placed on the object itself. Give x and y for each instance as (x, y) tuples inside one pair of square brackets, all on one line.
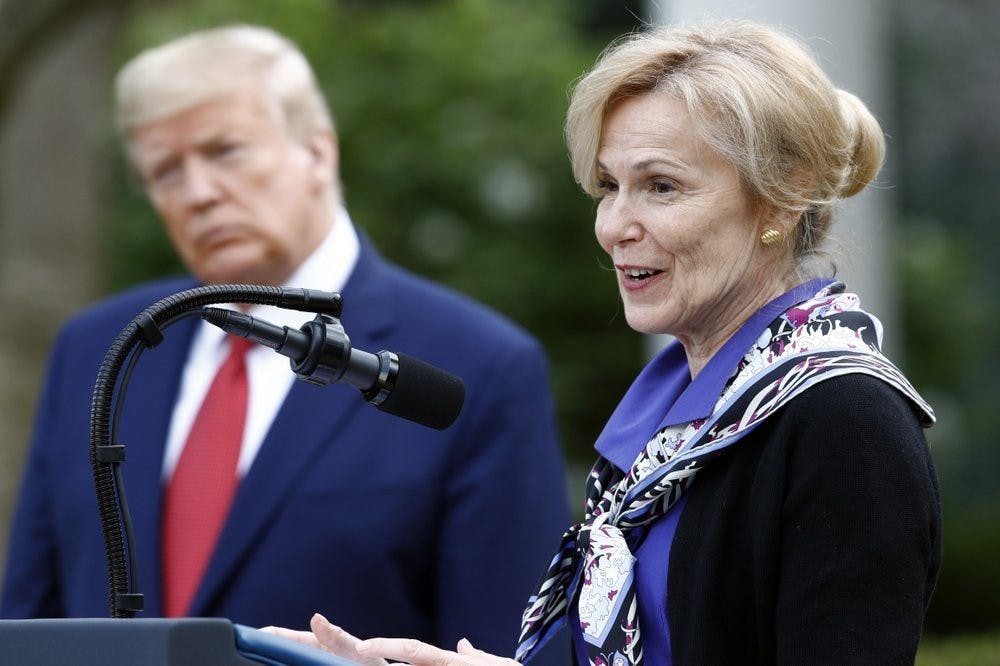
[(815, 540)]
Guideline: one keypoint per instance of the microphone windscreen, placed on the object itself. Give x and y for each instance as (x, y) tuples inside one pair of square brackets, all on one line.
[(424, 394)]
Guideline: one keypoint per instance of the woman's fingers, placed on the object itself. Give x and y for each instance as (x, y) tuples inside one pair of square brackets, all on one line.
[(304, 637), (375, 651), (411, 651), (414, 652), (465, 648), (334, 639)]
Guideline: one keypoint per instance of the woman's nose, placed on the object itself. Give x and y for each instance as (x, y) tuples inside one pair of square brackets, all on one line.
[(617, 222)]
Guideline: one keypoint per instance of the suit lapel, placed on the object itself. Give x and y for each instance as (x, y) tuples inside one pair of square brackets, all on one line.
[(310, 419)]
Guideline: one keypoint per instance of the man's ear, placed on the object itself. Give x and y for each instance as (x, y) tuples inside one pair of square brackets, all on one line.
[(324, 155)]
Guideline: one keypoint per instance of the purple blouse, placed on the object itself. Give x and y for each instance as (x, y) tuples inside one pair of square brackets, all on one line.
[(664, 395)]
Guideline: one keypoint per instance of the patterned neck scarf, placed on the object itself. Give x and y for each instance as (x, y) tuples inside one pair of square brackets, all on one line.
[(823, 337)]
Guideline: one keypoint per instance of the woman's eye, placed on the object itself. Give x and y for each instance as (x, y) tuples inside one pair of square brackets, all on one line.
[(606, 185), (662, 186)]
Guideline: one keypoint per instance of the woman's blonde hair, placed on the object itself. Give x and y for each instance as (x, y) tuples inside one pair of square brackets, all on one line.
[(204, 65), (758, 98)]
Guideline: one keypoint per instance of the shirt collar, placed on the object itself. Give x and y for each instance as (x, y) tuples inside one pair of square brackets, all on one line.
[(699, 398), (663, 394), (327, 268)]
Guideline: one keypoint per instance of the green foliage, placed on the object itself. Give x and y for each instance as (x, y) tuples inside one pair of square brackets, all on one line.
[(967, 597), (938, 268), (948, 139), (965, 650), (449, 117), (138, 248), (948, 313)]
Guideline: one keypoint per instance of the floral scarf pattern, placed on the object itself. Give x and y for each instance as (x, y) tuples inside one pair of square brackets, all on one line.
[(823, 337)]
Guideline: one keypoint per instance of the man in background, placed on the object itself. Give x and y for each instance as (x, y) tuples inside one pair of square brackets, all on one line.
[(434, 534)]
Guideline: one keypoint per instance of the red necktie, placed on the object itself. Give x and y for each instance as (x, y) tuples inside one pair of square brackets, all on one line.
[(199, 494)]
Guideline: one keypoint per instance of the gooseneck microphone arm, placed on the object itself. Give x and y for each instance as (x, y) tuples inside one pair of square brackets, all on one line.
[(107, 454)]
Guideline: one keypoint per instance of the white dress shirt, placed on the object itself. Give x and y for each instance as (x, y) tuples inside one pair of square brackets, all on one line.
[(268, 373)]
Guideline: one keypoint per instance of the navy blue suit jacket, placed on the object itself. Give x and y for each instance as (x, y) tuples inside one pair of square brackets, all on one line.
[(387, 527)]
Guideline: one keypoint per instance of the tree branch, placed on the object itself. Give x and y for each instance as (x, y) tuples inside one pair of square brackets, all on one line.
[(28, 26)]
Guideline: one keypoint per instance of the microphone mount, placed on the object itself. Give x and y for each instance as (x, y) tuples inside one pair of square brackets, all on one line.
[(326, 361), (319, 352)]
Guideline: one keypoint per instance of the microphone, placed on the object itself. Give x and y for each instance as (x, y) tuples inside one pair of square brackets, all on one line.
[(320, 352)]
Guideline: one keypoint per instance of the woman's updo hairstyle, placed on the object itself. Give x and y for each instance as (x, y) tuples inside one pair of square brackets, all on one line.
[(757, 97)]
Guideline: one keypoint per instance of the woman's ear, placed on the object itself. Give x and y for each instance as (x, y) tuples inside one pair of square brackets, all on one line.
[(775, 227), (785, 221)]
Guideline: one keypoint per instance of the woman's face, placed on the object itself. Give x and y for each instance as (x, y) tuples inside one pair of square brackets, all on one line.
[(678, 226)]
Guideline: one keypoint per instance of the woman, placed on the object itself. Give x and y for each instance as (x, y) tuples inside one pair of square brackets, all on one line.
[(764, 492)]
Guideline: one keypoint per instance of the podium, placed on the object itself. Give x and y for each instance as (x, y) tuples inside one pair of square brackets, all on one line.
[(151, 642)]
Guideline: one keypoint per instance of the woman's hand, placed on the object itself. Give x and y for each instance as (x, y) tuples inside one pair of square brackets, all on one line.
[(412, 651), (329, 638), (375, 651)]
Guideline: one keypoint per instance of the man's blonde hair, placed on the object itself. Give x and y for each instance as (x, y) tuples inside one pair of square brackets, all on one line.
[(204, 65)]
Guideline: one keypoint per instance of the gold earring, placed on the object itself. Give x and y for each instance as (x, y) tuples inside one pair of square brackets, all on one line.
[(770, 237)]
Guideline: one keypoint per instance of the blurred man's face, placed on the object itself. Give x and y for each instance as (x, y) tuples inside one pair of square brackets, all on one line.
[(241, 199)]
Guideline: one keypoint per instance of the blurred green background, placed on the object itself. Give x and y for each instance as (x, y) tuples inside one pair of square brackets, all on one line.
[(449, 117)]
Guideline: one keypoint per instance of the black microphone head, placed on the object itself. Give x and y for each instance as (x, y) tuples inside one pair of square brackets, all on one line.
[(424, 394)]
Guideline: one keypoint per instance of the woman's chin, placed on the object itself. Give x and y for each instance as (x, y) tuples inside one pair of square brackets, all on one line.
[(645, 322)]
